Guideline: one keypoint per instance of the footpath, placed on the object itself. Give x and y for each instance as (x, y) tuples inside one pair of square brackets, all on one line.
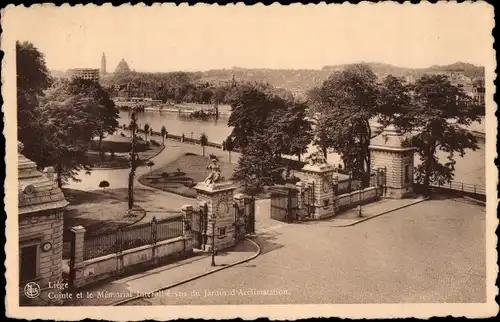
[(351, 217), (156, 281)]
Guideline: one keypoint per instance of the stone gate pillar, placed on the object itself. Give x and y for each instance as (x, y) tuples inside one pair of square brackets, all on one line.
[(396, 161), (219, 199), (319, 176)]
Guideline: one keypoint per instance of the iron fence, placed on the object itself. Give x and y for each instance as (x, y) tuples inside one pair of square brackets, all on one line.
[(462, 187), (132, 237)]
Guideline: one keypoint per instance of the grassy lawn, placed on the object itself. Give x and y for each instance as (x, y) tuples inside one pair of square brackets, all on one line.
[(97, 212), (116, 149), (183, 174)]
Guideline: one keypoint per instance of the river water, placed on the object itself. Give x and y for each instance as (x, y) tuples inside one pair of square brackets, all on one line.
[(469, 169)]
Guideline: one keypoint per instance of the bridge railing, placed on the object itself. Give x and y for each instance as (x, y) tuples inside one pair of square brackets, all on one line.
[(462, 187)]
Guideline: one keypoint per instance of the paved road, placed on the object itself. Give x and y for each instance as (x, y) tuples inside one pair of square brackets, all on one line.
[(430, 252)]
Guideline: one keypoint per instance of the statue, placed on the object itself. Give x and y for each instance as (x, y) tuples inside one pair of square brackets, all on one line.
[(316, 158), (20, 147), (214, 167)]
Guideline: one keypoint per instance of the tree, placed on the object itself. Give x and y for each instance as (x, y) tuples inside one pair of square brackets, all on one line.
[(229, 146), (146, 130), (65, 122), (251, 108), (440, 114), (203, 142), (150, 164), (134, 160), (290, 132), (163, 134), (103, 184), (105, 113), (257, 167), (33, 78), (395, 102), (343, 107)]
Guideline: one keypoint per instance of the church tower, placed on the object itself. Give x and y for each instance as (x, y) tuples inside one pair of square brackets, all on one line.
[(103, 64)]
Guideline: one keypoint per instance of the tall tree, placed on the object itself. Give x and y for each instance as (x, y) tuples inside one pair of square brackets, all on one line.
[(439, 116), (146, 130), (257, 166), (395, 102), (32, 79), (163, 133), (229, 146), (134, 160), (342, 108), (67, 129), (251, 108), (105, 114), (203, 142), (290, 131)]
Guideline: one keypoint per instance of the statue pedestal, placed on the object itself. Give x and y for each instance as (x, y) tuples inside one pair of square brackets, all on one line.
[(220, 204), (319, 177)]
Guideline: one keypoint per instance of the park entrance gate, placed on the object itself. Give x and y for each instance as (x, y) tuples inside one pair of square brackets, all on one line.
[(250, 215), (284, 205), (199, 229)]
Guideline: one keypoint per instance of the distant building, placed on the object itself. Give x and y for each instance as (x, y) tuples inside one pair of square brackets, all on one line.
[(478, 94), (103, 64), (84, 73), (122, 67)]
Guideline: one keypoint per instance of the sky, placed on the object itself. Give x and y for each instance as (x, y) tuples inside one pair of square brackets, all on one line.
[(169, 38)]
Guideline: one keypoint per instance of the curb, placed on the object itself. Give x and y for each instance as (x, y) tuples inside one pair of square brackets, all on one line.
[(192, 278), (480, 202), (383, 213)]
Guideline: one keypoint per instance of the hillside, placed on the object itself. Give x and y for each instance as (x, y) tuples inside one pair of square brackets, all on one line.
[(304, 79), (293, 80)]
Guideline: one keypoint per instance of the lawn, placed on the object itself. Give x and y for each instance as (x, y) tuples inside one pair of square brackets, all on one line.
[(97, 212), (183, 174), (116, 152)]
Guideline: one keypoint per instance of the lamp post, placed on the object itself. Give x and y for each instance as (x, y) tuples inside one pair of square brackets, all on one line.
[(212, 221)]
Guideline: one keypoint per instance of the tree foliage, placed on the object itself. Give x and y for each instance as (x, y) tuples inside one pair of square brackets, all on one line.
[(257, 165), (32, 79), (163, 133), (263, 116), (105, 114), (67, 129), (342, 108), (439, 117), (203, 141)]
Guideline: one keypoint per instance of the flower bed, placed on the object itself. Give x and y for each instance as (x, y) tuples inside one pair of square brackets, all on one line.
[(183, 174)]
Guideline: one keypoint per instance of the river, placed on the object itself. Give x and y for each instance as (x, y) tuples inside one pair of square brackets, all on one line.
[(469, 169)]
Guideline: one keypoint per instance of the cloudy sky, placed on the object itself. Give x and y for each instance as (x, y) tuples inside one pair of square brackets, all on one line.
[(204, 37)]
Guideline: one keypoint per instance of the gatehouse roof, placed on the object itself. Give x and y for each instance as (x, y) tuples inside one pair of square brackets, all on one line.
[(37, 191)]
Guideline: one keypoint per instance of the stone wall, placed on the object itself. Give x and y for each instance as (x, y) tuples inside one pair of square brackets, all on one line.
[(355, 198), (100, 268), (38, 229)]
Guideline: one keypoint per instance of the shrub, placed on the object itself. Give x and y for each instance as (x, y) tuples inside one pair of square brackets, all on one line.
[(103, 184)]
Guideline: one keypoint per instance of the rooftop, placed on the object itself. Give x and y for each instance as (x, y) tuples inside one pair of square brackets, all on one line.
[(37, 191)]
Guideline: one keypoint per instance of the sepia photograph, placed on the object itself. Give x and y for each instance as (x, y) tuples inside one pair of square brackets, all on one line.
[(250, 161)]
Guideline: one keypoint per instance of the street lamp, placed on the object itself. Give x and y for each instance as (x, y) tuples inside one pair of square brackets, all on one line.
[(212, 221)]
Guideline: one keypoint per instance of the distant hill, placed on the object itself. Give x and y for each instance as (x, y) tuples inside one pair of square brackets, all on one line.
[(301, 80), (294, 80)]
